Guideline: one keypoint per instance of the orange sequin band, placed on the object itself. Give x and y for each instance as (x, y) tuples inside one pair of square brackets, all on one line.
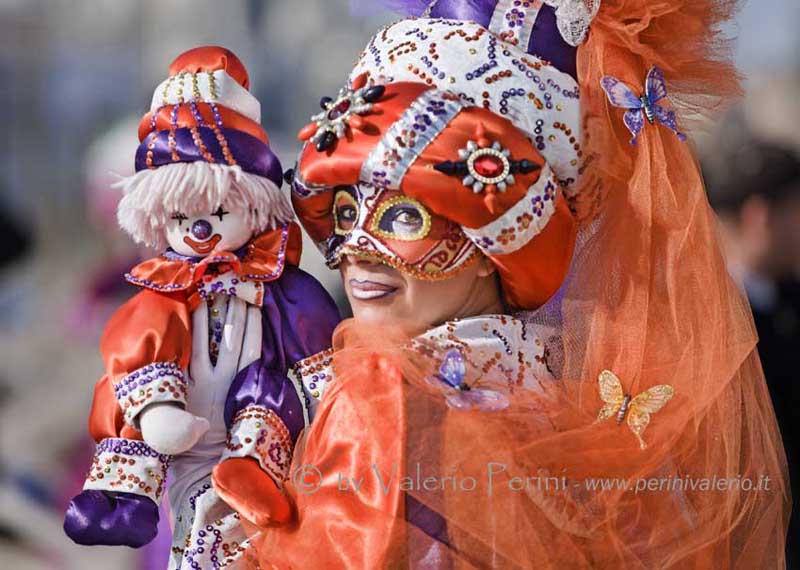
[(223, 143)]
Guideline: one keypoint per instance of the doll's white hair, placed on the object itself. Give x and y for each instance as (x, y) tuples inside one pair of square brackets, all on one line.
[(151, 197)]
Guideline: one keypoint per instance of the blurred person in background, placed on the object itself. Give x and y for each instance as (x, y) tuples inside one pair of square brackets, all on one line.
[(755, 189)]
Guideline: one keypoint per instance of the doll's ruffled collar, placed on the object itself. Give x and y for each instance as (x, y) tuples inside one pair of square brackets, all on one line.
[(262, 259)]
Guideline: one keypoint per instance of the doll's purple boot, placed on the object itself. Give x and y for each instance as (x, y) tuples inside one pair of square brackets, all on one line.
[(111, 519)]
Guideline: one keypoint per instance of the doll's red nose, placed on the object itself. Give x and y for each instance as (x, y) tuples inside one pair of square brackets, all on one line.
[(201, 230)]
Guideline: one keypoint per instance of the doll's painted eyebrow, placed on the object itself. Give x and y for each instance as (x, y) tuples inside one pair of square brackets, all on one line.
[(179, 216), (219, 212)]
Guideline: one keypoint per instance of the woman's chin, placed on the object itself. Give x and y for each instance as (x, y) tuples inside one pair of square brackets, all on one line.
[(373, 314), (384, 317)]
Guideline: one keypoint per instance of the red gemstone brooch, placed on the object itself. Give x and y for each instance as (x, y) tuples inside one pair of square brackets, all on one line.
[(486, 165)]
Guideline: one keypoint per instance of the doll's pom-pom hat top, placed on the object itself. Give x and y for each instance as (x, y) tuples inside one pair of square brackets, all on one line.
[(202, 144)]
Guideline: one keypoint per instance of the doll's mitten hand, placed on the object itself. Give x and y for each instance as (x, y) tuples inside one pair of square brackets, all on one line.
[(171, 430), (111, 518), (248, 489)]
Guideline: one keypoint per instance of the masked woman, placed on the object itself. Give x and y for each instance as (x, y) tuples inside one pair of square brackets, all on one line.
[(582, 374)]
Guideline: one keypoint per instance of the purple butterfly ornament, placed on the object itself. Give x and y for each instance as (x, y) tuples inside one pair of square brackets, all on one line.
[(458, 394), (642, 107)]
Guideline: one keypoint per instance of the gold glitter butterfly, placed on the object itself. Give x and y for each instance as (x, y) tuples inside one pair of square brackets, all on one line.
[(638, 409)]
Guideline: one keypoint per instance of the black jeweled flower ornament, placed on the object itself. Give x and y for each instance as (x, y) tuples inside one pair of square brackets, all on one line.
[(340, 114)]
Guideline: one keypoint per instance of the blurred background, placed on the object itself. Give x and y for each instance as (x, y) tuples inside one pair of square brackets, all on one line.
[(76, 76)]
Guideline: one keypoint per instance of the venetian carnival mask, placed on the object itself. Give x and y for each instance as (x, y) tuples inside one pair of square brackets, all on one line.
[(424, 182), (392, 228)]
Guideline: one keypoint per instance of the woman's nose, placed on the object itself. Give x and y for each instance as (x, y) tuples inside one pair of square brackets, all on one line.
[(358, 260), (201, 230)]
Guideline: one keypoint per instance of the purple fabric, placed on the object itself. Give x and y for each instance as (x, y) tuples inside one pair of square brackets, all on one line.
[(546, 42), (405, 7), (249, 152), (111, 519), (298, 319), (479, 11)]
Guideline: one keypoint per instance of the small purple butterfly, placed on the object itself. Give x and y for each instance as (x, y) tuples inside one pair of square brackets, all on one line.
[(457, 393), (644, 107)]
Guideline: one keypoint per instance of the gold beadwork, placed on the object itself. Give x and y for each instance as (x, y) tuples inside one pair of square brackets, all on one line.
[(180, 87), (384, 207), (167, 85), (343, 194), (195, 88), (212, 85)]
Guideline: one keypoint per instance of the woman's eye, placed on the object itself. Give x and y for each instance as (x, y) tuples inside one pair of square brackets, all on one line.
[(403, 219), (180, 217), (347, 214), (220, 212), (406, 222)]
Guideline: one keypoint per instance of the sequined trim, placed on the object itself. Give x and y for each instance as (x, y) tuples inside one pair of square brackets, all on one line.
[(147, 284), (259, 433), (501, 352), (405, 140), (513, 20), (465, 257), (303, 190), (316, 372), (130, 466), (207, 533), (281, 259), (232, 285), (194, 263), (157, 382), (216, 87), (466, 59), (522, 222), (377, 218)]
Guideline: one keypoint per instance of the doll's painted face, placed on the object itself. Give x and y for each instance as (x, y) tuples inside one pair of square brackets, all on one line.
[(200, 234), (379, 293)]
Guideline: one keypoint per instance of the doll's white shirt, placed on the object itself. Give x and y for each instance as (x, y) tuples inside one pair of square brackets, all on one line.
[(208, 386)]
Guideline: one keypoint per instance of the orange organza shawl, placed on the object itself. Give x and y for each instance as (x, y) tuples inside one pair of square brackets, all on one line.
[(649, 298)]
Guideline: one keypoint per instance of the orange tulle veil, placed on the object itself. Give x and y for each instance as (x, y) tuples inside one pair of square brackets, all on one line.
[(648, 297)]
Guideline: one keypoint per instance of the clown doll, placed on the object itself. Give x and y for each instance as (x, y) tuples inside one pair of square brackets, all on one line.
[(538, 304), (196, 386)]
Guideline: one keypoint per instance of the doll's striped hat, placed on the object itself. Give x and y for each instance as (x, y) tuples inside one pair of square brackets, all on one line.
[(202, 145), (204, 111)]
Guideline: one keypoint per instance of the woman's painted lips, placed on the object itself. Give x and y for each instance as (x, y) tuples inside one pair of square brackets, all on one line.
[(370, 290), (203, 247)]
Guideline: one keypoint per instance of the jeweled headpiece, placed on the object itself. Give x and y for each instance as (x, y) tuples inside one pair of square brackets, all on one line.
[(469, 144)]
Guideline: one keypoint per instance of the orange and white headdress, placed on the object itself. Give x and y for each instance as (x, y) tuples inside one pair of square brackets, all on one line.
[(466, 129)]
